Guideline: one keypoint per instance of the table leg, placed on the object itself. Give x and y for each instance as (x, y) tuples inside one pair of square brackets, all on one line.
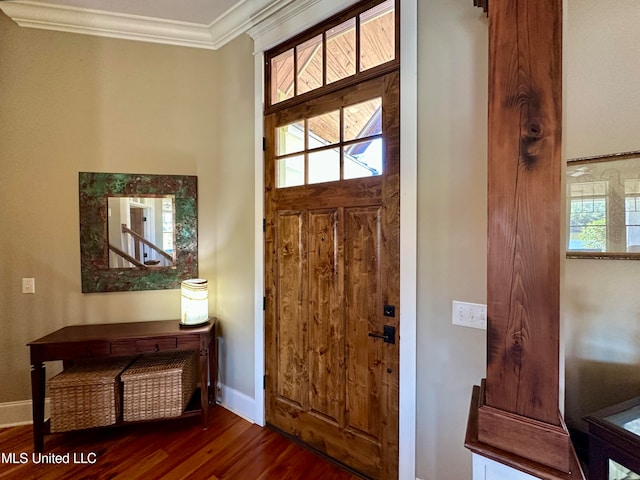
[(37, 397), (213, 369), (598, 461), (204, 387)]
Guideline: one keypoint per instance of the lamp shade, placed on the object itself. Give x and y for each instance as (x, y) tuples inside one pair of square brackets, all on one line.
[(195, 302)]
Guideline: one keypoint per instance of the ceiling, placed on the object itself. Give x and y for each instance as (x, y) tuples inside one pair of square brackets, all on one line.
[(195, 23)]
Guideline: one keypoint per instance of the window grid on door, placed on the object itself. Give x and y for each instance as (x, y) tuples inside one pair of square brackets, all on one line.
[(342, 144)]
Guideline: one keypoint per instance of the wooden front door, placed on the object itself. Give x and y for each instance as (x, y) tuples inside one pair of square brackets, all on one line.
[(332, 275)]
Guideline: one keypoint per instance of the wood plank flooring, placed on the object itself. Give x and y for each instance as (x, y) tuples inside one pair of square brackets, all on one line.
[(230, 449)]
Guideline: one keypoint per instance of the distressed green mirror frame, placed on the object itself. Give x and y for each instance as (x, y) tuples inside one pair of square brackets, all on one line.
[(94, 188)]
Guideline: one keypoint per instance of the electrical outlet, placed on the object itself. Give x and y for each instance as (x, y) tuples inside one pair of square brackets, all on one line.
[(472, 315)]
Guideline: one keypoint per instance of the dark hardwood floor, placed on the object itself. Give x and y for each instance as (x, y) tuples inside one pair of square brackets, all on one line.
[(231, 448)]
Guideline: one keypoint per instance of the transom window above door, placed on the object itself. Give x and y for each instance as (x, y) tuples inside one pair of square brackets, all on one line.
[(340, 51), (341, 144)]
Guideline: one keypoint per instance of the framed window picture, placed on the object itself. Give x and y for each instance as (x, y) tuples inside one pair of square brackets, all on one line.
[(603, 206)]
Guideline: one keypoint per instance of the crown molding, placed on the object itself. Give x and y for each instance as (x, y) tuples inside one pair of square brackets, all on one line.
[(262, 29), (47, 16), (246, 14), (287, 22)]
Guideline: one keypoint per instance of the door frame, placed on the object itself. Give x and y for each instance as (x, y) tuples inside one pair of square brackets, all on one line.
[(264, 39)]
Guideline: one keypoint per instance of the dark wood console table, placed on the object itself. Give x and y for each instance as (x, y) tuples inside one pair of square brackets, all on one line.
[(122, 339), (614, 436)]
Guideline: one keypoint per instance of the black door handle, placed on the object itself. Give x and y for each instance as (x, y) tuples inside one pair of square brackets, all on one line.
[(388, 334)]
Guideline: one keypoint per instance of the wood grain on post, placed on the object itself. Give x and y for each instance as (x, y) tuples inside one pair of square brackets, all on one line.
[(518, 413)]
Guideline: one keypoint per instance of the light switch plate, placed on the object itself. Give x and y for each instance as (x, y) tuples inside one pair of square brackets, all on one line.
[(28, 285), (472, 315)]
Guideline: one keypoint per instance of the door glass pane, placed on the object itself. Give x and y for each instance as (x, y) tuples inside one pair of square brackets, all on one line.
[(363, 159), (282, 77), (363, 119), (290, 171), (341, 51), (324, 166), (309, 64), (377, 35), (290, 138), (324, 129)]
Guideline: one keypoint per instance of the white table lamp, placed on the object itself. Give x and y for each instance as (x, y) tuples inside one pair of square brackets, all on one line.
[(195, 302)]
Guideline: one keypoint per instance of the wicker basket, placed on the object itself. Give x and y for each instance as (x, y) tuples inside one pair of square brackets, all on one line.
[(86, 395), (159, 385)]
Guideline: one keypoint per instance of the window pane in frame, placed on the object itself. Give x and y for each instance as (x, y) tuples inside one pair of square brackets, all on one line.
[(324, 129), (632, 214), (341, 51), (282, 83), (324, 165), (290, 171), (363, 159), (362, 119), (309, 65), (377, 35), (588, 223), (290, 138)]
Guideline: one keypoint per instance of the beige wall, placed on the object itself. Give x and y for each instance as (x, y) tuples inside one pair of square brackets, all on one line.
[(601, 301), (235, 223), (452, 225), (73, 103)]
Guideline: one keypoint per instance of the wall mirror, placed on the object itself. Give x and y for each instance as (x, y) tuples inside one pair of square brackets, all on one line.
[(137, 231), (141, 231), (603, 206)]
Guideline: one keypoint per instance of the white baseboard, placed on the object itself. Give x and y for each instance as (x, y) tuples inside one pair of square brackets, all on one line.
[(13, 414), (237, 402), (487, 469)]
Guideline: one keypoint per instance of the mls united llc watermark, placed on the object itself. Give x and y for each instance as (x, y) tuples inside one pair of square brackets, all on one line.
[(49, 458)]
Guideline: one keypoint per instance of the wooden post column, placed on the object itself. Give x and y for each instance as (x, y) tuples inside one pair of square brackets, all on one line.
[(523, 267), (518, 418)]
